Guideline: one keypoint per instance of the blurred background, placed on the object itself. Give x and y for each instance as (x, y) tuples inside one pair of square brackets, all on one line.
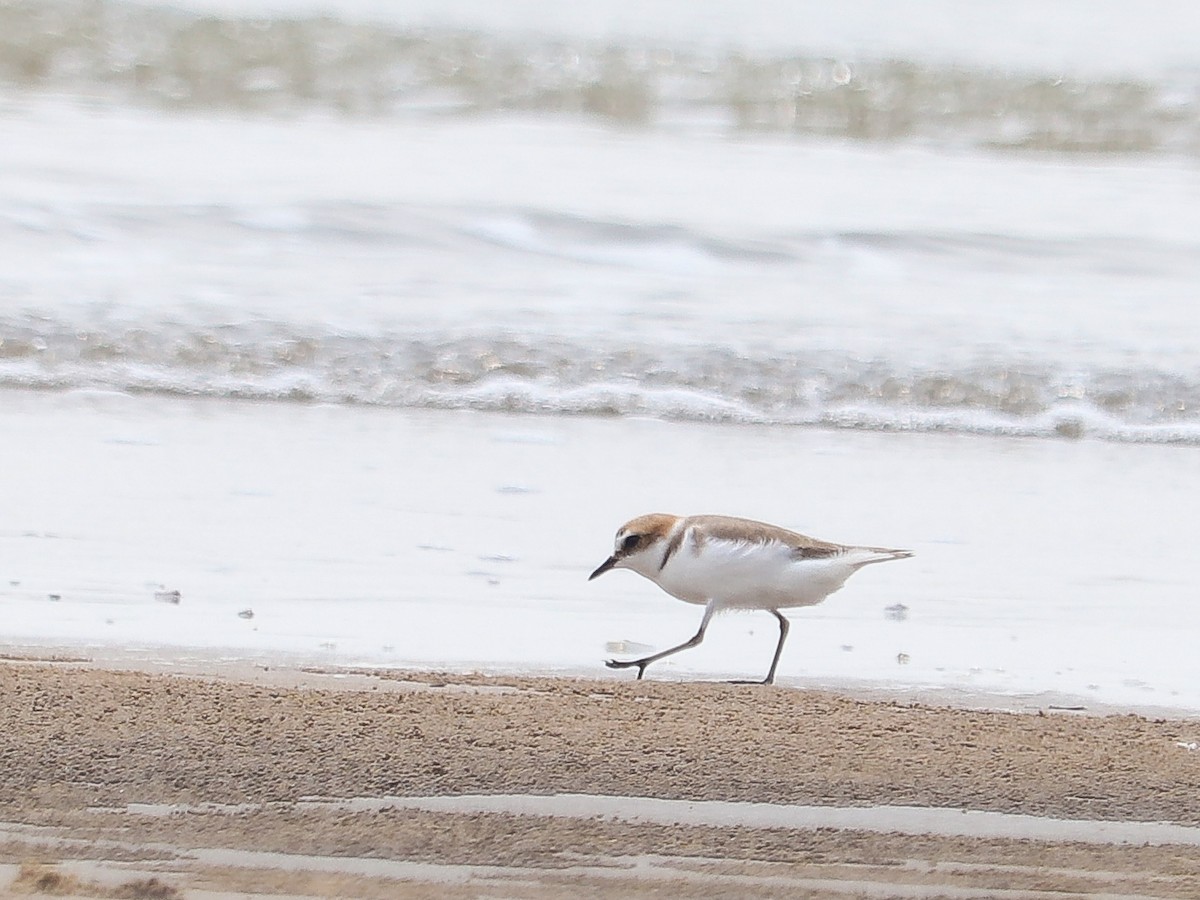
[(923, 216)]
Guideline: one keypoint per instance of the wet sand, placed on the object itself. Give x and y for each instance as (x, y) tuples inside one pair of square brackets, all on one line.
[(405, 784)]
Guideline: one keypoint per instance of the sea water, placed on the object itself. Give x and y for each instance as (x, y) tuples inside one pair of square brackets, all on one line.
[(376, 320)]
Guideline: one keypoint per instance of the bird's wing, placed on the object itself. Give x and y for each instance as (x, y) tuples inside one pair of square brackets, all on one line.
[(747, 531)]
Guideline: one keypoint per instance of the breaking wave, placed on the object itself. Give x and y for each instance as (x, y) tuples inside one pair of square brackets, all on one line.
[(562, 377)]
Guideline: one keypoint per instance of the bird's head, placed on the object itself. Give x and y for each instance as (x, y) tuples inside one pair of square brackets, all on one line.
[(639, 545)]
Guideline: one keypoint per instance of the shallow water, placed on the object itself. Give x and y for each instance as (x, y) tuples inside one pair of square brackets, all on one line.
[(728, 813), (724, 813), (379, 536)]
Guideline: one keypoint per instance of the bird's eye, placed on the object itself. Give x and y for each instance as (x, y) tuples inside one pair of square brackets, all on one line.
[(630, 542)]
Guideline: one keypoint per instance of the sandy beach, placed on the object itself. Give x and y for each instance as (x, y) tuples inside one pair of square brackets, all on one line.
[(256, 781)]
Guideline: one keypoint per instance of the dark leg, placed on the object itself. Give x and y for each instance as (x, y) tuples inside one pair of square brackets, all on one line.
[(783, 633), (695, 639)]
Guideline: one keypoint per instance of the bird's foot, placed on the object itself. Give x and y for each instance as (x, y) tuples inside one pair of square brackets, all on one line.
[(629, 663)]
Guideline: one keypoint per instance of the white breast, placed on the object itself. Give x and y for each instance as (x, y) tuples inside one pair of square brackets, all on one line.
[(745, 575)]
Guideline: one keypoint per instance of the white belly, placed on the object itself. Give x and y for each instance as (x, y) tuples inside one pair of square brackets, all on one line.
[(751, 576)]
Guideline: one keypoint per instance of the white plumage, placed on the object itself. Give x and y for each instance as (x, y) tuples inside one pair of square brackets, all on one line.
[(724, 562)]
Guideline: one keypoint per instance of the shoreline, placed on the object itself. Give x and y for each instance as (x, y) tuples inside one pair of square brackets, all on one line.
[(311, 670), (377, 566), (409, 783)]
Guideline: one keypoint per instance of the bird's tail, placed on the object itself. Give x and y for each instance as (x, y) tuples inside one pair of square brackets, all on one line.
[(864, 556)]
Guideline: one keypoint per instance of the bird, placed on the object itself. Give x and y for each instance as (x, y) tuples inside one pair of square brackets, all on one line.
[(725, 562)]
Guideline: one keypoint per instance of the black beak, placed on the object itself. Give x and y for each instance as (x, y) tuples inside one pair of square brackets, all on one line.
[(603, 567)]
